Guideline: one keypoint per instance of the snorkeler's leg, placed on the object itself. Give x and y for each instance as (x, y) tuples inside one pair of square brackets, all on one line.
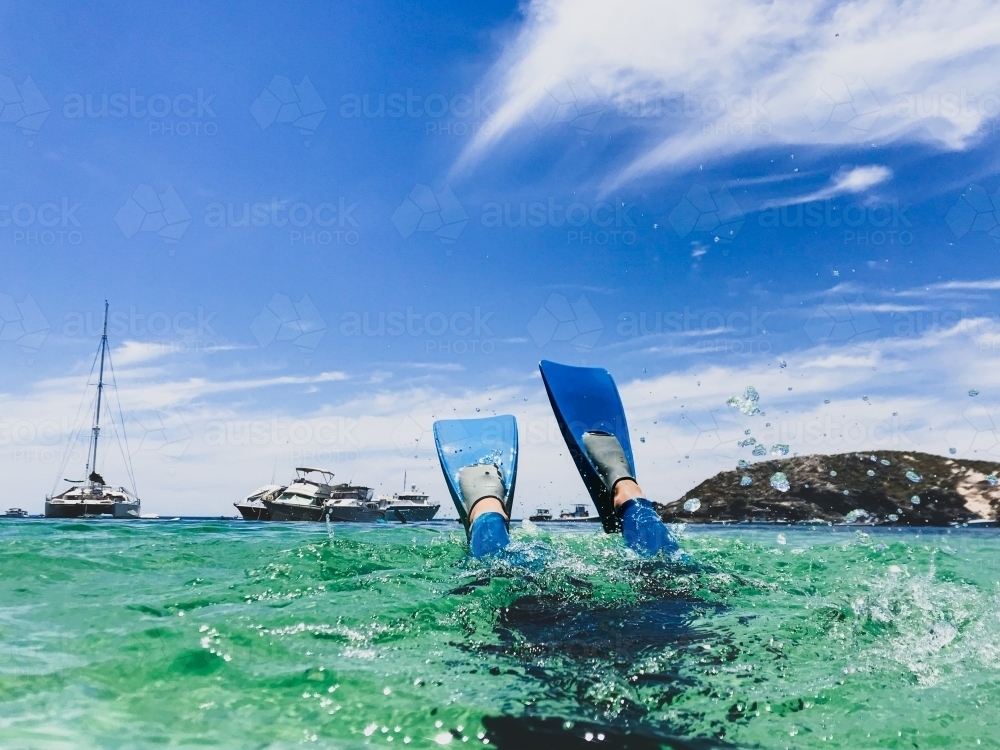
[(642, 528), (485, 496)]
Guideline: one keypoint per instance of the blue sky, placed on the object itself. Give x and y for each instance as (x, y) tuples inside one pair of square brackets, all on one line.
[(321, 228)]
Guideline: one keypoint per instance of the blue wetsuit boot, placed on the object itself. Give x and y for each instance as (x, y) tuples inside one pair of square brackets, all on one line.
[(642, 528), (488, 535)]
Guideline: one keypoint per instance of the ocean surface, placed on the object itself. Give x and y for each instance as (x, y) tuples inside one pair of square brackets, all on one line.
[(234, 634)]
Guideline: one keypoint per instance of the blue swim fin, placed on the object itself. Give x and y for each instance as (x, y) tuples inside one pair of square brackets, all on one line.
[(489, 442), (585, 399)]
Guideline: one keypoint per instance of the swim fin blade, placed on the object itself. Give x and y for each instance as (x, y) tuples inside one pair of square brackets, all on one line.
[(491, 441), (585, 399)]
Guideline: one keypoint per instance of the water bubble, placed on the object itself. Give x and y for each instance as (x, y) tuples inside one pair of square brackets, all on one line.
[(692, 505), (913, 476), (856, 515), (893, 517), (779, 449), (915, 500), (833, 473), (973, 391), (760, 450), (847, 492), (780, 482), (747, 441), (782, 539), (884, 462), (746, 481), (642, 440), (952, 451), (870, 473), (782, 364), (742, 464)]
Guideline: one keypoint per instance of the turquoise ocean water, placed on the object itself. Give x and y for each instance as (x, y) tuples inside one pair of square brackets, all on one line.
[(234, 634)]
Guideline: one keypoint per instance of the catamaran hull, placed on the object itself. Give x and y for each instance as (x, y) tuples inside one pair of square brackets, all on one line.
[(78, 510), (411, 512)]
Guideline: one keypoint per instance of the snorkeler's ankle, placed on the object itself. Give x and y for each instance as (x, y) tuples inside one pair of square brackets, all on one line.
[(487, 505), (625, 490)]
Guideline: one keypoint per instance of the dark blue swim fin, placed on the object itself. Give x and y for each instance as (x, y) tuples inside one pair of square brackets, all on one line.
[(585, 399), (489, 442)]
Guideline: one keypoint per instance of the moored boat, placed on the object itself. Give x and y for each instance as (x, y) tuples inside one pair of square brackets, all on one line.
[(15, 513), (311, 499), (252, 507), (408, 506), (94, 497)]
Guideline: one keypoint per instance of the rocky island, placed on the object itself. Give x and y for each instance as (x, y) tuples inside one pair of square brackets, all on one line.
[(886, 487)]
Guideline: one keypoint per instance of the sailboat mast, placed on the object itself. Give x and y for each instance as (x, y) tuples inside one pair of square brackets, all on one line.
[(100, 388)]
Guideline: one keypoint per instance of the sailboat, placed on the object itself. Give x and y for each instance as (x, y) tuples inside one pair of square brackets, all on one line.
[(93, 496)]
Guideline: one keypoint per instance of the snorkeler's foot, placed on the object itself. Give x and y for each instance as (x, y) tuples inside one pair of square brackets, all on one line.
[(482, 482)]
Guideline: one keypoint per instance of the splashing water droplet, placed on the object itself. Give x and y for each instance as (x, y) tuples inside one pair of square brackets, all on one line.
[(915, 500), (864, 398), (642, 440), (748, 441), (477, 408), (746, 432), (870, 473), (742, 464), (746, 481), (855, 515), (973, 391), (779, 449), (692, 505), (992, 479), (893, 517), (760, 450), (952, 451), (833, 473), (782, 364), (884, 462), (826, 400), (913, 476), (782, 539), (780, 482)]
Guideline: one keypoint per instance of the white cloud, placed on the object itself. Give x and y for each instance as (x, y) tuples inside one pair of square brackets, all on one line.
[(846, 181), (815, 72)]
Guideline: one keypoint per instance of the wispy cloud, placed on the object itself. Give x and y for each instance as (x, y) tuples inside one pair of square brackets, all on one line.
[(846, 181), (817, 73)]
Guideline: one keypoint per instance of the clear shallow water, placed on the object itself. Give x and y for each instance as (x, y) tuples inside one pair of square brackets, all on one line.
[(211, 633)]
